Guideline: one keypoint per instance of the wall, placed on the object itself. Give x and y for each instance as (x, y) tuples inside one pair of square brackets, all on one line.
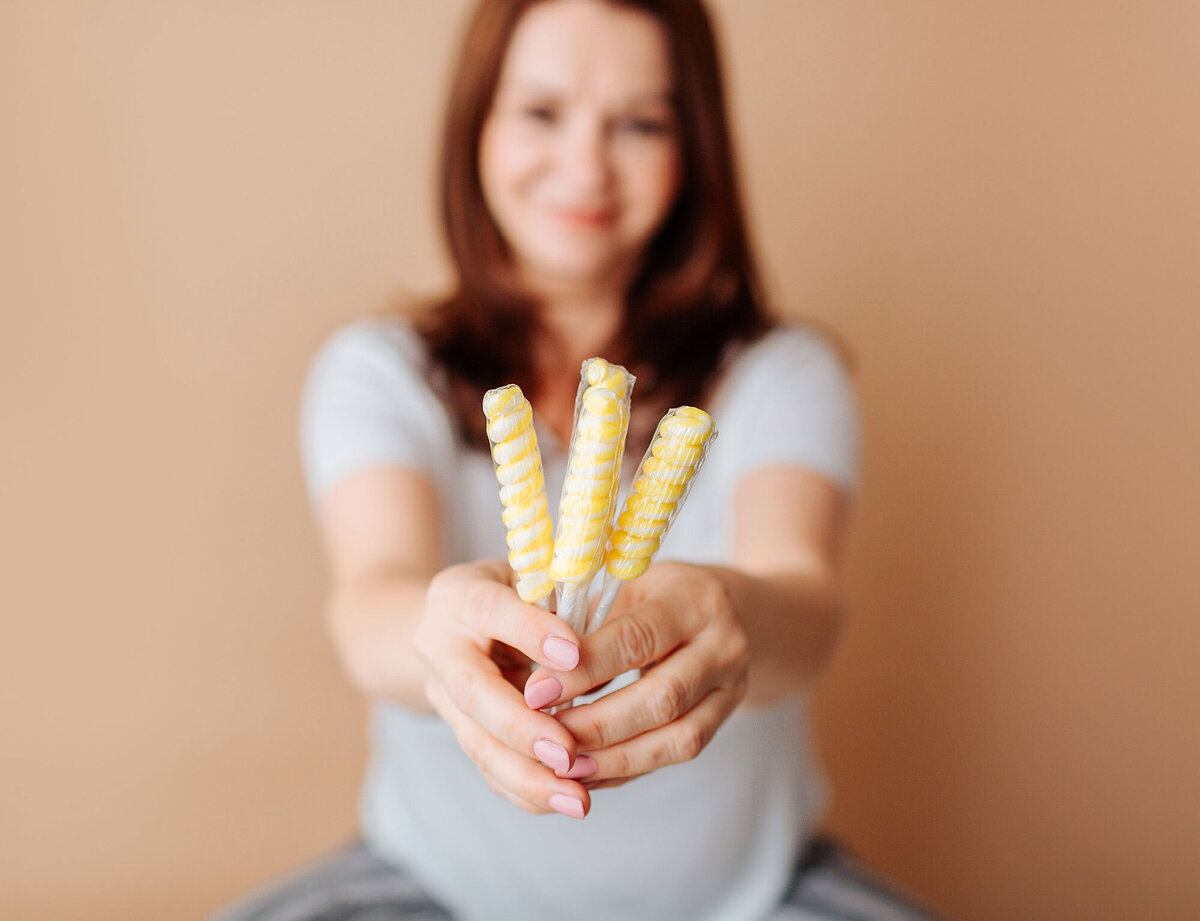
[(996, 204)]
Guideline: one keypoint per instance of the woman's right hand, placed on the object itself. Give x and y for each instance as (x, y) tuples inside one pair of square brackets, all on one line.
[(474, 623)]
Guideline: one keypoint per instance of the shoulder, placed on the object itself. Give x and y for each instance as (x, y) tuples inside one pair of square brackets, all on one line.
[(794, 341), (381, 358), (790, 353), (368, 400), (786, 398), (373, 362), (381, 342)]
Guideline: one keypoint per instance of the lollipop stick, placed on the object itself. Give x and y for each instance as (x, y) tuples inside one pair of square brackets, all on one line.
[(572, 607), (607, 597)]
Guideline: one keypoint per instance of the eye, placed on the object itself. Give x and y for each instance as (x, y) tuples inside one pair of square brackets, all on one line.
[(540, 113), (645, 126)]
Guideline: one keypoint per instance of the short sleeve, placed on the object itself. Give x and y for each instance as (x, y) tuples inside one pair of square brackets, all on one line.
[(367, 402), (788, 400)]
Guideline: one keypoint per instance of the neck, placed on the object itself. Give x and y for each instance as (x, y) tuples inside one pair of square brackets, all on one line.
[(576, 328), (576, 325), (579, 318)]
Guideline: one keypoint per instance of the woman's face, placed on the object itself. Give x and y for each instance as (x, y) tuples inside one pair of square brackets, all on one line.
[(579, 156)]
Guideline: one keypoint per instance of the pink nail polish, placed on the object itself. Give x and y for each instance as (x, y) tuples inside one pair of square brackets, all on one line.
[(583, 767), (551, 754), (543, 693), (560, 652), (567, 805)]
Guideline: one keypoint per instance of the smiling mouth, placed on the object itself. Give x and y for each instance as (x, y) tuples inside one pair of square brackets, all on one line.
[(595, 218)]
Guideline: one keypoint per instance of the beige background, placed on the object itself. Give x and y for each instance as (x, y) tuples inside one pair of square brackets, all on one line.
[(996, 203)]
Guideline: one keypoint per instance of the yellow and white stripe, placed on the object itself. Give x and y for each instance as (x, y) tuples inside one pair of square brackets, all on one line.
[(526, 514), (667, 471), (593, 471), (678, 449)]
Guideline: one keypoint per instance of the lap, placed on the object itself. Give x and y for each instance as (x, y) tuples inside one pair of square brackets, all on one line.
[(353, 884), (831, 885), (349, 885)]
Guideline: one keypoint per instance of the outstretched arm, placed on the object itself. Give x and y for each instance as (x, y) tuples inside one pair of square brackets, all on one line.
[(382, 536), (443, 638)]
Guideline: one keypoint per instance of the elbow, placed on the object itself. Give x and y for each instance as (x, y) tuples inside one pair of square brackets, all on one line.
[(802, 649), (373, 643), (830, 635), (828, 616), (359, 667)]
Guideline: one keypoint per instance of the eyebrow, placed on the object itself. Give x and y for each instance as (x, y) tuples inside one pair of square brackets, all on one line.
[(535, 88)]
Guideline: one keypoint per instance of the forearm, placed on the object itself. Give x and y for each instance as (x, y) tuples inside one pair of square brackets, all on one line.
[(372, 620), (792, 621)]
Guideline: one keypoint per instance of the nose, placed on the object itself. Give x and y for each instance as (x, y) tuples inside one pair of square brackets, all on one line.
[(583, 156)]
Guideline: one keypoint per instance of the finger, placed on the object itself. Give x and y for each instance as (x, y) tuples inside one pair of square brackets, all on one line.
[(521, 780), (495, 611), (674, 743), (590, 785), (477, 689), (662, 695), (473, 741), (623, 643)]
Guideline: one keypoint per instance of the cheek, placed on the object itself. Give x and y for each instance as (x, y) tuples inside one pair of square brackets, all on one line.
[(654, 184), (505, 160), (495, 167)]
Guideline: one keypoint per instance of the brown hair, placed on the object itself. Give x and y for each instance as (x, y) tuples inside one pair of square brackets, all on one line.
[(698, 289)]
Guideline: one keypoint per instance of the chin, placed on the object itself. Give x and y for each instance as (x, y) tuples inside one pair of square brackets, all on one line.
[(577, 267)]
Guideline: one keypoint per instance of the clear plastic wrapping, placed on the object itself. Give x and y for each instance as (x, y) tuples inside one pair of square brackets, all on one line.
[(590, 487), (566, 557), (663, 481), (518, 464)]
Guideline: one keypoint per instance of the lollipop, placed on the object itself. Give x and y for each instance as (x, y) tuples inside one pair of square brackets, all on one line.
[(597, 372), (590, 486), (678, 449), (522, 491)]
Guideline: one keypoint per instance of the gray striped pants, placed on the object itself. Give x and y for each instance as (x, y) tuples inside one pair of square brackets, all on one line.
[(355, 885)]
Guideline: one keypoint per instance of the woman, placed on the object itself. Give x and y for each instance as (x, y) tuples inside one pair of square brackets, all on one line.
[(591, 209)]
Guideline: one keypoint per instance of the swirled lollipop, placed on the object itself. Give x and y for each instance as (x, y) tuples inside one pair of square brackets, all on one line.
[(585, 511), (676, 452), (596, 372), (590, 487), (522, 491)]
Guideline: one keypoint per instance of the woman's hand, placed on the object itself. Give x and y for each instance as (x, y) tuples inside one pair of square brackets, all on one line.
[(478, 640), (678, 624)]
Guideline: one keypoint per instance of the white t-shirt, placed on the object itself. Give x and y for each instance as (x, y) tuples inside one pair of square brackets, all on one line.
[(713, 839)]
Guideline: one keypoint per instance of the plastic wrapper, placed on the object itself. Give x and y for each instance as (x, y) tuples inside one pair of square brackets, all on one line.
[(663, 481), (518, 464), (590, 487)]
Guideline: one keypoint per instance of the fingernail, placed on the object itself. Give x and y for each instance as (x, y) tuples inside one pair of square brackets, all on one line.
[(542, 693), (562, 653), (551, 754), (567, 805), (583, 767)]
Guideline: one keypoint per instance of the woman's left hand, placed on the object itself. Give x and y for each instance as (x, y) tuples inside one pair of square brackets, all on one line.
[(678, 623)]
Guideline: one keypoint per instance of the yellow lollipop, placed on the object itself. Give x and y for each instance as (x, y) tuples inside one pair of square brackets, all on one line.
[(678, 449), (588, 496), (526, 514)]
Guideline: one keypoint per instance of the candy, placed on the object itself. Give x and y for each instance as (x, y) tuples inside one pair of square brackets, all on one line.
[(679, 447), (526, 514), (590, 488)]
